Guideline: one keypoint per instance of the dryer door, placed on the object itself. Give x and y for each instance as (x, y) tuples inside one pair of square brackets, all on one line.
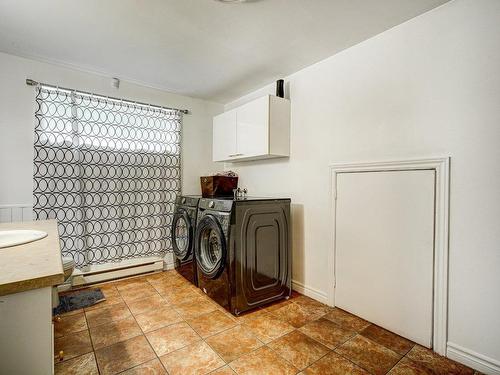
[(210, 247), (182, 235)]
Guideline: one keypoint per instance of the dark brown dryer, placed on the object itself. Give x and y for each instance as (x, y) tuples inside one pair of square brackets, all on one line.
[(242, 250)]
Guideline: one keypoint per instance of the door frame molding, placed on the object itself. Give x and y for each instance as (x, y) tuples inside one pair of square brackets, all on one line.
[(441, 166)]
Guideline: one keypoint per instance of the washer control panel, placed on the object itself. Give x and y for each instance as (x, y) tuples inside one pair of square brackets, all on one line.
[(215, 204)]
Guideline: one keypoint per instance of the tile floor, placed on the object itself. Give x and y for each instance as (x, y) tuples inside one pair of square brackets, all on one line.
[(161, 324)]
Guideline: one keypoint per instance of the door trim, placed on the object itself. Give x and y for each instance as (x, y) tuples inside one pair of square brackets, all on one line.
[(441, 166)]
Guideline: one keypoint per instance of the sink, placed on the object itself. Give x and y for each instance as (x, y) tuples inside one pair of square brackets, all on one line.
[(18, 237)]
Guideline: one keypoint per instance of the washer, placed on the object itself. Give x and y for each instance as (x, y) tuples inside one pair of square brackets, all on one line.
[(242, 251), (183, 230)]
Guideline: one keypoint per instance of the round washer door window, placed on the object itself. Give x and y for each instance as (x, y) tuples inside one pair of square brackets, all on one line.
[(210, 249), (182, 235)]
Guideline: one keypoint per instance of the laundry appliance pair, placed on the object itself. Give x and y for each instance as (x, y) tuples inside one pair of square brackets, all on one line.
[(236, 251)]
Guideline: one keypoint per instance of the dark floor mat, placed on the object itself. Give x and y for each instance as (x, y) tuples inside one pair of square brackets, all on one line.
[(78, 299)]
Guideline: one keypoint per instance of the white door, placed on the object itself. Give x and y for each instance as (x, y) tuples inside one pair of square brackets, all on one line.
[(384, 249), (224, 136), (253, 128)]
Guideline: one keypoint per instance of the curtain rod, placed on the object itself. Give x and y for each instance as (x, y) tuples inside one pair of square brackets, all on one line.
[(31, 82)]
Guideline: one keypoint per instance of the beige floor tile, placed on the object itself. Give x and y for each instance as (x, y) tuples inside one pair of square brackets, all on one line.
[(132, 283), (73, 345), (151, 278), (296, 315), (110, 293), (84, 364), (334, 364), (388, 339), (116, 332), (108, 314), (131, 294), (369, 355), (249, 315), (70, 324), (195, 307), (227, 313), (233, 343), (171, 338), (197, 358), (124, 355), (436, 363), (346, 320), (211, 323), (408, 367), (226, 370), (276, 305), (109, 301), (108, 289), (153, 367), (169, 283), (159, 318), (298, 349), (173, 276), (180, 295), (327, 332), (262, 361), (73, 312), (311, 305), (111, 333), (147, 304), (267, 327)]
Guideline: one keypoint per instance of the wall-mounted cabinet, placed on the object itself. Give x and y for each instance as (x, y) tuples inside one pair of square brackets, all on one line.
[(259, 129)]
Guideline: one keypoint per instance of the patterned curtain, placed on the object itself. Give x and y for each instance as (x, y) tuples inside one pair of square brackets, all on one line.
[(108, 170)]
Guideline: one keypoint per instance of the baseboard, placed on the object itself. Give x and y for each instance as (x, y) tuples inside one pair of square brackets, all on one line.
[(310, 292), (108, 272), (472, 359)]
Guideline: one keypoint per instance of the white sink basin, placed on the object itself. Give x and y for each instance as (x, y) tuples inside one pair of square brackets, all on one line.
[(17, 237)]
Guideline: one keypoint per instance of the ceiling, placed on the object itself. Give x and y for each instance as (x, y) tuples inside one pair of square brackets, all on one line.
[(199, 48)]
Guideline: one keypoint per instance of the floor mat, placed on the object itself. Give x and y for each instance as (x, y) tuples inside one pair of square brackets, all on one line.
[(78, 299)]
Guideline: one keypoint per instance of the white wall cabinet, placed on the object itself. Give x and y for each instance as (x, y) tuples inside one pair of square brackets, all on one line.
[(259, 129), (224, 136)]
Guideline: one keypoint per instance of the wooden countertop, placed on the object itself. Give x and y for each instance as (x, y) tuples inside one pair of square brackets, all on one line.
[(32, 265)]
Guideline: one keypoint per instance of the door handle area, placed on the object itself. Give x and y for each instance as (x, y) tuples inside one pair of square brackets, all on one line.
[(234, 155)]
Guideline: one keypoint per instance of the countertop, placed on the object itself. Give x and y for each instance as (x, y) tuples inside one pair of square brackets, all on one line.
[(32, 265)]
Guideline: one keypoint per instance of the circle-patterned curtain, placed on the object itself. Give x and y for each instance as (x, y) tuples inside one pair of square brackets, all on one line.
[(108, 170)]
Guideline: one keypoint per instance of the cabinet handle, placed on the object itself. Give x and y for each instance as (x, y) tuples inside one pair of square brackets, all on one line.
[(233, 155)]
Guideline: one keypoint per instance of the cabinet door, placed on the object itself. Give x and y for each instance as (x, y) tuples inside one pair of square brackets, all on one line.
[(224, 136), (385, 249), (253, 128)]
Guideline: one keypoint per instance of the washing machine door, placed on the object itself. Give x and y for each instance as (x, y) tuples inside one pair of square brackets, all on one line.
[(182, 235), (210, 247)]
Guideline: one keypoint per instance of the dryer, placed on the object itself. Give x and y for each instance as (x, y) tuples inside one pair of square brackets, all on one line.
[(242, 251), (182, 234)]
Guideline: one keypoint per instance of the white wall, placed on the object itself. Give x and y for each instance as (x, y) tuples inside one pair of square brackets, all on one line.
[(17, 106), (429, 87)]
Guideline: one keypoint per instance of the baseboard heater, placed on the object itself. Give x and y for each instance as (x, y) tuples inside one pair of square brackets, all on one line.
[(108, 272)]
